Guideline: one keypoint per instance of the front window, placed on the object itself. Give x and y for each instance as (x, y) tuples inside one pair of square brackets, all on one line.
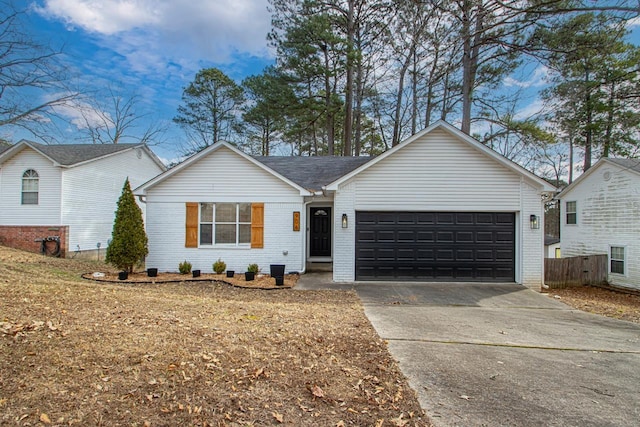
[(225, 224), (30, 185), (572, 215), (617, 259)]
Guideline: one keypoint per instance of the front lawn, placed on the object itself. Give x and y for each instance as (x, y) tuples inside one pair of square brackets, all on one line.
[(77, 352)]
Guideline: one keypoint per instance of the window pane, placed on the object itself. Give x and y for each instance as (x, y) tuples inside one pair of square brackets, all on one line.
[(225, 233), (572, 218), (29, 185), (206, 212), (617, 253), (244, 212), (245, 233), (571, 207), (29, 198), (225, 212), (206, 234), (617, 267)]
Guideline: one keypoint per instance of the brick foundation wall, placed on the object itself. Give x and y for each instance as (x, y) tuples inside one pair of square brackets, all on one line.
[(24, 237)]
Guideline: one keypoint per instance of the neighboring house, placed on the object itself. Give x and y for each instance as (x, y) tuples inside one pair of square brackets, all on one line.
[(600, 214), (440, 206), (67, 191), (551, 247)]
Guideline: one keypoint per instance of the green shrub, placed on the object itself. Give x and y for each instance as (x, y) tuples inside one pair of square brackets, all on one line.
[(184, 267), (128, 240), (219, 266), (253, 268)]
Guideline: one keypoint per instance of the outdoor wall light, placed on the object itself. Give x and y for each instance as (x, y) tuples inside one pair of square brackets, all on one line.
[(345, 221), (534, 221)]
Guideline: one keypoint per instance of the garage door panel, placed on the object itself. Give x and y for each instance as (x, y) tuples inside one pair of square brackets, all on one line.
[(445, 246)]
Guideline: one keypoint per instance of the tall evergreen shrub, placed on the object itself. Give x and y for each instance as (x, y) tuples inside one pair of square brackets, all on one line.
[(128, 239)]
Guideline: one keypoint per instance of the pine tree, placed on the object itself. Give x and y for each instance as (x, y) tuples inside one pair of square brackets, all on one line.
[(128, 239)]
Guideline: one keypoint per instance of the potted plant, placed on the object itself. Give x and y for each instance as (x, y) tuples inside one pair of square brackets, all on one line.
[(277, 270), (152, 272), (250, 274), (184, 267), (219, 266)]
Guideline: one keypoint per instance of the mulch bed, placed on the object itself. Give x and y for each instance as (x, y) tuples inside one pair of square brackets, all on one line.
[(261, 281), (615, 303)]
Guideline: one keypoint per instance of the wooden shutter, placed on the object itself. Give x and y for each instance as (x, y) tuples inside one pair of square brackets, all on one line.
[(191, 228), (257, 225)]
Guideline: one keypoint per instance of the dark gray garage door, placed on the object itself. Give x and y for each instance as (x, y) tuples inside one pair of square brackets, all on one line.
[(438, 246)]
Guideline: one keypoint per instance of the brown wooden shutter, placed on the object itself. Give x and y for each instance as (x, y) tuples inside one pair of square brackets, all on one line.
[(191, 229), (257, 225)]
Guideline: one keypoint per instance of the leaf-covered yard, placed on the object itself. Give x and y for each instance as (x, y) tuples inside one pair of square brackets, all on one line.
[(76, 352)]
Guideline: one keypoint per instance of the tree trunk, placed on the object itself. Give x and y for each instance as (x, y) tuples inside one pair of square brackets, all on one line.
[(348, 99), (414, 93), (396, 123), (328, 106), (588, 140)]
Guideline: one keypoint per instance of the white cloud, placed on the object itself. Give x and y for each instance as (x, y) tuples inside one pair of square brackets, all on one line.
[(633, 23), (537, 79), (148, 32), (80, 113), (530, 110)]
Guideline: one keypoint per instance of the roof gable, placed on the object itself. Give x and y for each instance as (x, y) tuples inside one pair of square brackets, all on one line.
[(209, 151), (631, 165), (466, 139)]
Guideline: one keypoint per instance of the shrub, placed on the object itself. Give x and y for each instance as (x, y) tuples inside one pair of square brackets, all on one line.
[(253, 268), (219, 266), (184, 267), (128, 240)]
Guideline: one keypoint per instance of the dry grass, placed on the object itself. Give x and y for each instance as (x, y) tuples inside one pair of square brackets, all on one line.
[(610, 303), (77, 352)]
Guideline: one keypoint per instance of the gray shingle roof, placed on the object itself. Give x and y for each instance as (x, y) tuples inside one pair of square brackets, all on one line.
[(71, 154), (633, 164), (315, 172)]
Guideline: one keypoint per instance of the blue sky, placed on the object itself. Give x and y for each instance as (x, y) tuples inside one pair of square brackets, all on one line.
[(153, 48)]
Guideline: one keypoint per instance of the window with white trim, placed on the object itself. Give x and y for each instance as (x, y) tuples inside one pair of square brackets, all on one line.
[(616, 260), (572, 212), (30, 187), (225, 224)]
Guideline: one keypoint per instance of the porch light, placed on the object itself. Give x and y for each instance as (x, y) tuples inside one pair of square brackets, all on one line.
[(534, 221), (345, 221)]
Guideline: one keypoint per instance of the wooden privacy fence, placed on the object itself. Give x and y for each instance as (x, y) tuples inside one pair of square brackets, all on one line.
[(575, 271)]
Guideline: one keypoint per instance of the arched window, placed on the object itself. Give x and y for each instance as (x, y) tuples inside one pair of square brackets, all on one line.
[(30, 185)]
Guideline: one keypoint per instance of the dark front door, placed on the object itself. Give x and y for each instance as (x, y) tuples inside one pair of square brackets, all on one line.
[(435, 246), (320, 232)]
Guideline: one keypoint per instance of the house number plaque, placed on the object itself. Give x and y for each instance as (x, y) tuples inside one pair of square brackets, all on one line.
[(296, 221)]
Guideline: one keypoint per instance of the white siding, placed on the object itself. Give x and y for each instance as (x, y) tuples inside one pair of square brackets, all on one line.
[(223, 176), (91, 192), (608, 214), (441, 173), (438, 173), (47, 211), (226, 176), (344, 251), (530, 242)]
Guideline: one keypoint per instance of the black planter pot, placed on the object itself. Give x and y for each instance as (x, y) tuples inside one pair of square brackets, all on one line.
[(249, 276), (230, 273), (277, 270), (279, 280), (123, 275), (196, 273), (152, 272)]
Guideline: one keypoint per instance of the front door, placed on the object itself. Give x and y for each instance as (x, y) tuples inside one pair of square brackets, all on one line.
[(320, 232)]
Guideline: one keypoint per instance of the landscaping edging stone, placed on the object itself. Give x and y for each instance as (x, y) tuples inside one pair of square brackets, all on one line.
[(202, 278)]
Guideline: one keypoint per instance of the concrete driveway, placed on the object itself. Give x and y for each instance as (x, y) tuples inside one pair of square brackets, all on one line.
[(504, 355)]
